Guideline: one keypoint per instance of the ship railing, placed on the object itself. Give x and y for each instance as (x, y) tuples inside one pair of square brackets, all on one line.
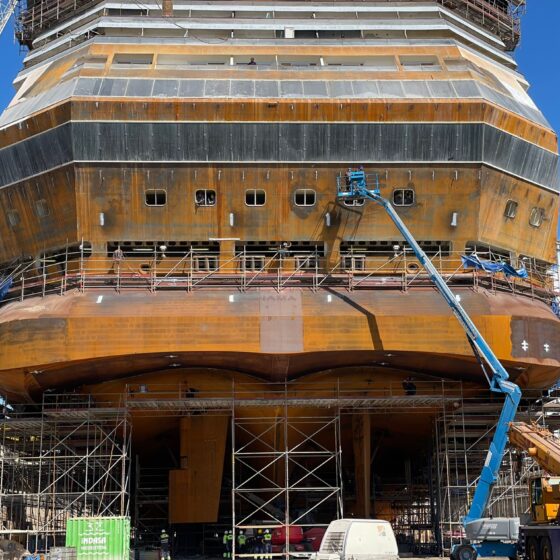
[(277, 268)]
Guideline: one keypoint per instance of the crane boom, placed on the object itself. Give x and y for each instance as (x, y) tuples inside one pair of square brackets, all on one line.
[(7, 8), (354, 186), (541, 444)]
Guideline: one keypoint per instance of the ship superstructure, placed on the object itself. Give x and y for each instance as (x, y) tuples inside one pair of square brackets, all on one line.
[(169, 219)]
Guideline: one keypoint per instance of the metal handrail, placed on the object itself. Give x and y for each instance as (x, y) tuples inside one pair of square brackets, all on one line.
[(280, 269)]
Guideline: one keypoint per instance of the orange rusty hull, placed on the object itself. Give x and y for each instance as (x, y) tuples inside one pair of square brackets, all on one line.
[(82, 338)]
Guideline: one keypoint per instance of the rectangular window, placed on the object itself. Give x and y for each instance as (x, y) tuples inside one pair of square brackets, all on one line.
[(306, 262), (13, 218), (253, 263), (205, 262), (354, 262), (155, 197), (305, 197), (133, 58), (205, 197), (403, 197), (537, 216), (511, 209), (420, 63), (42, 208), (255, 197)]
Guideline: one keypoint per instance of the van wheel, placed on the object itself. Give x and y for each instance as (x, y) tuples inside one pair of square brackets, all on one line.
[(466, 552), (546, 549)]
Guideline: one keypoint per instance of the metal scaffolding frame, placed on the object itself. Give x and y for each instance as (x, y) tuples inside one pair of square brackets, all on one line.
[(284, 468), (65, 458), (461, 438), (70, 456)]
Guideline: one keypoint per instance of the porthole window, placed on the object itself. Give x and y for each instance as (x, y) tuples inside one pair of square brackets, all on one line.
[(403, 197), (205, 197), (354, 202), (155, 197), (42, 208), (305, 197), (255, 197), (537, 216), (511, 209)]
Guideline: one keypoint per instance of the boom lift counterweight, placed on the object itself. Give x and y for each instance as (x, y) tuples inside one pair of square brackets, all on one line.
[(489, 537)]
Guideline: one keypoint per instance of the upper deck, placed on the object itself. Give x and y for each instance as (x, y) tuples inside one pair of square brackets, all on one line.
[(501, 18)]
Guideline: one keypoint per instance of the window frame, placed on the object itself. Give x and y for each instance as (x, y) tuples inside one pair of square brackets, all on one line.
[(515, 205), (13, 218), (155, 191), (541, 215), (205, 204), (404, 189), (255, 191), (42, 202), (305, 191)]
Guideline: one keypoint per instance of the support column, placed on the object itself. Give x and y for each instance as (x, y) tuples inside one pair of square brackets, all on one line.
[(361, 437)]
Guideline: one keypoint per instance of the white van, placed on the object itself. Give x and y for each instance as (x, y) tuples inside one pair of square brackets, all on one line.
[(359, 539)]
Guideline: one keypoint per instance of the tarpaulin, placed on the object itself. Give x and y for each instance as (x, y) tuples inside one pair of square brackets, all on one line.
[(5, 286), (473, 261)]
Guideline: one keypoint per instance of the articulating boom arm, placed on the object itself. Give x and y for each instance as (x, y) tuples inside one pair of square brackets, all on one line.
[(354, 186)]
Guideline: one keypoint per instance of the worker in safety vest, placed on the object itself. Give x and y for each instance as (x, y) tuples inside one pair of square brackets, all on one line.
[(267, 544), (164, 545), (227, 545), (241, 541), (230, 543), (258, 550)]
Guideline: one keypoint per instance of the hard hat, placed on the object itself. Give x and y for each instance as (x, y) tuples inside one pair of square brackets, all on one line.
[(266, 531), (163, 530), (241, 532)]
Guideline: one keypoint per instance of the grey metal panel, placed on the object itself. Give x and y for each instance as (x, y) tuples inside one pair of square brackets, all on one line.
[(216, 88), (242, 88), (416, 88), (515, 155), (191, 88), (291, 88), (88, 86), (252, 142), (365, 89), (139, 88), (266, 88), (166, 88), (113, 88), (315, 141), (315, 89), (390, 89), (340, 89), (36, 155), (466, 88), (441, 89), (291, 140)]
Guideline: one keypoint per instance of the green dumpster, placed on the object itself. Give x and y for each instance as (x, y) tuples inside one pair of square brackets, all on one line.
[(99, 538)]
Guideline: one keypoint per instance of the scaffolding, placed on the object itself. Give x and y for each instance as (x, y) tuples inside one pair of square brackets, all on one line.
[(65, 458), (286, 472), (462, 435), (392, 267), (70, 456)]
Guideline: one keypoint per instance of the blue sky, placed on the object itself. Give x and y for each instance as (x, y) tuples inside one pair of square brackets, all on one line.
[(537, 57)]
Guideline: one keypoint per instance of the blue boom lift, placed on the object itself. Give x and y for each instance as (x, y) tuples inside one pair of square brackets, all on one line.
[(488, 537)]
